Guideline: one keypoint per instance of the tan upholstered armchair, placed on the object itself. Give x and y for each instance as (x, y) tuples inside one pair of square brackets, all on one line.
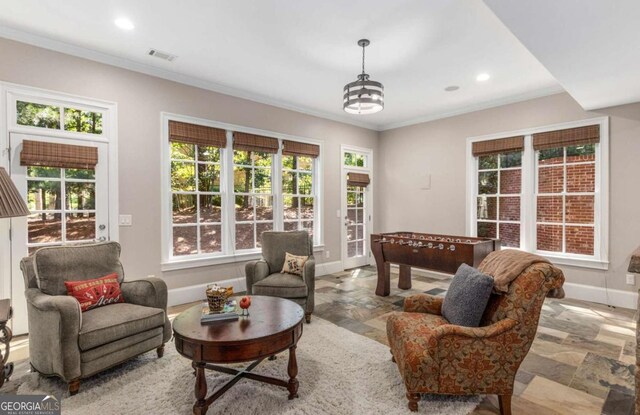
[(436, 357), (264, 276), (73, 345)]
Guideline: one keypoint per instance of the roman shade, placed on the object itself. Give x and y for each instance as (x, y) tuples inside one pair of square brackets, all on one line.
[(358, 179), (589, 134), (182, 132), (296, 148), (500, 145), (39, 153), (253, 142)]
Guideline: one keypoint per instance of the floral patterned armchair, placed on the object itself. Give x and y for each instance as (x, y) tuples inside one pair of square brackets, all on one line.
[(436, 357)]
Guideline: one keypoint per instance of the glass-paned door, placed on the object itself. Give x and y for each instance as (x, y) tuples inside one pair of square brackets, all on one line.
[(67, 205), (356, 227)]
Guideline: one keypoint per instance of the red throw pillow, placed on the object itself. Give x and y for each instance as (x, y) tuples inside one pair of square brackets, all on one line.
[(96, 292)]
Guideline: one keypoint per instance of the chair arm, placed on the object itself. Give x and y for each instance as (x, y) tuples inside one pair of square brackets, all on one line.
[(485, 332), (423, 303), (256, 271), (54, 325), (148, 292), (309, 276)]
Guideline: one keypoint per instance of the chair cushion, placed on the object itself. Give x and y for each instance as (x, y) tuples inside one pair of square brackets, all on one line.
[(281, 285), (107, 324), (467, 297)]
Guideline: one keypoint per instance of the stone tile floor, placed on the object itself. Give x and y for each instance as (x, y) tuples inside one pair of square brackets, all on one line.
[(581, 362)]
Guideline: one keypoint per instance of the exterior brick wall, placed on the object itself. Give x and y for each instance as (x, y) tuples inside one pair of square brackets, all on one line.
[(510, 234), (581, 178), (549, 209), (549, 238), (509, 208), (510, 181), (579, 209), (550, 179), (579, 240)]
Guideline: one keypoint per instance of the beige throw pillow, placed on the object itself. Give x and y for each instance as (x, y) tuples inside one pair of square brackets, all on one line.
[(293, 264)]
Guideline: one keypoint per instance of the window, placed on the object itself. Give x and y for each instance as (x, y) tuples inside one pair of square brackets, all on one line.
[(227, 187), (548, 196), (33, 114), (355, 159)]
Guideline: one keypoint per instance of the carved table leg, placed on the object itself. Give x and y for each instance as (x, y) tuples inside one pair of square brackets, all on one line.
[(292, 370), (200, 407), (404, 282)]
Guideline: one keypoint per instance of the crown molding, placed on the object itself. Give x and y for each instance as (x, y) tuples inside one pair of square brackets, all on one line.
[(105, 58)]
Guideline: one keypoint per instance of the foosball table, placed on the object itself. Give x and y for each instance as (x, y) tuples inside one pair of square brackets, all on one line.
[(442, 253)]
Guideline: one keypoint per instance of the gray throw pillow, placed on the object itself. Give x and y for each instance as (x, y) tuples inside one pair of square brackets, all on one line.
[(467, 297)]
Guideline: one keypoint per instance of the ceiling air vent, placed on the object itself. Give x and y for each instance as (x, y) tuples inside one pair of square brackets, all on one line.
[(161, 55)]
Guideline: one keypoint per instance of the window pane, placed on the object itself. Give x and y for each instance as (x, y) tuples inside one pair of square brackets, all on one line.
[(244, 208), (579, 209), (291, 226), (242, 179), (288, 162), (488, 182), (360, 249), (486, 230), (261, 159), (210, 208), (510, 181), (581, 153), (291, 207), (208, 177), (80, 196), (306, 207), (37, 171), (304, 163), (509, 209), (581, 177), (511, 159), (211, 238), (352, 233), (81, 226), (44, 227), (184, 208), (488, 162), (360, 216), (264, 207), (84, 174), (244, 236), (37, 115), (550, 179), (579, 240), (43, 195), (487, 207), (289, 182), (262, 181), (361, 160), (360, 199), (352, 249), (352, 198), (210, 154), (304, 183), (182, 151), (360, 232), (351, 215), (549, 208), (307, 225), (262, 227), (549, 238), (82, 121), (241, 157), (185, 240), (510, 235), (183, 176), (551, 156), (349, 159)]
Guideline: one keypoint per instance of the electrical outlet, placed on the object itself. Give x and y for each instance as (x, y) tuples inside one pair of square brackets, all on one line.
[(327, 254), (631, 279), (125, 220)]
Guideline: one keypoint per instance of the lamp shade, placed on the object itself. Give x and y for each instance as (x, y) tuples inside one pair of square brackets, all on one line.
[(11, 203)]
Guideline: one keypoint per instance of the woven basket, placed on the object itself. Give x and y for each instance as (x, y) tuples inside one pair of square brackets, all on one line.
[(216, 297)]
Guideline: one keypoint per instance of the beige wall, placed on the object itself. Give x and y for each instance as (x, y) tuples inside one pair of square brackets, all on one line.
[(438, 148), (140, 100)]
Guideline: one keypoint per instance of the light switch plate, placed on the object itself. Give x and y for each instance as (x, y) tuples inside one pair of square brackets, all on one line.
[(631, 279), (327, 254), (125, 220)]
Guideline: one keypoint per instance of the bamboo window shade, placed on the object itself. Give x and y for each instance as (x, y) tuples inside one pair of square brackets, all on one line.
[(500, 145), (11, 203), (253, 142), (296, 148), (182, 132), (358, 179), (589, 134), (39, 153)]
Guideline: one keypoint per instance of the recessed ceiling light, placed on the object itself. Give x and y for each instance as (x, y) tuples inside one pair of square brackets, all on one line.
[(124, 23), (452, 88), (483, 77)]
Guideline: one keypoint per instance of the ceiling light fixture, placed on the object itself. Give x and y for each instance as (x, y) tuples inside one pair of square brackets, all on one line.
[(483, 77), (363, 96), (124, 23)]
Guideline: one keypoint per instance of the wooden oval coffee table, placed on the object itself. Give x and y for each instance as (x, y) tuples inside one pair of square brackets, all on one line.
[(274, 325)]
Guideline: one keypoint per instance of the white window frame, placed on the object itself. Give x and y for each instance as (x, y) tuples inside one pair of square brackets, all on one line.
[(600, 259), (229, 254)]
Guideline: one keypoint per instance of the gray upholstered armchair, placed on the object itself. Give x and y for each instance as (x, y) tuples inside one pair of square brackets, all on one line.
[(264, 277), (65, 342)]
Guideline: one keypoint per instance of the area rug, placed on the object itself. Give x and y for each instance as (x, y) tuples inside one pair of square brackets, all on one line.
[(340, 372)]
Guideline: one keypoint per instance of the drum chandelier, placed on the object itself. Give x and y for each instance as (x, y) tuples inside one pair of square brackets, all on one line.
[(363, 96)]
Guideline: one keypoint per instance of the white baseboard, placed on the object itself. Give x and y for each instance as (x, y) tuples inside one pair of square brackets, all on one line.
[(617, 298), (184, 295)]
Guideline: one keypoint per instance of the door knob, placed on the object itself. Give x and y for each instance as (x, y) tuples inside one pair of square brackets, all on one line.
[(102, 227)]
